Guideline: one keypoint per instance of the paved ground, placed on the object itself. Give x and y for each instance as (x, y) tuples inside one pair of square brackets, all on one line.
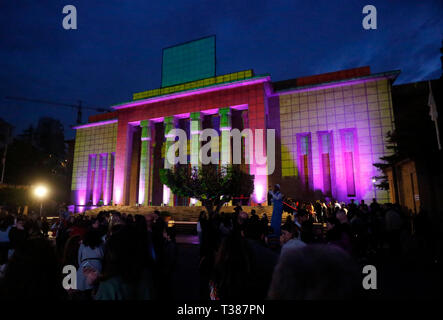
[(186, 239), (407, 279), (186, 277)]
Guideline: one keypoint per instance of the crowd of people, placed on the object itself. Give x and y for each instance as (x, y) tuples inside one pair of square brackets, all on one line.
[(316, 254), (319, 244), (116, 257)]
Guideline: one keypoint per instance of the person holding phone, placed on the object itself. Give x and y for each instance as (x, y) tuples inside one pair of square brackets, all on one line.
[(90, 257)]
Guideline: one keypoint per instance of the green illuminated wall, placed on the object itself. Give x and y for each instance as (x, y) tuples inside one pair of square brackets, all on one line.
[(187, 62)]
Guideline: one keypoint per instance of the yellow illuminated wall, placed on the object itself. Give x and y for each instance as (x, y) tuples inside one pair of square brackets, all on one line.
[(194, 84), (365, 107), (92, 140)]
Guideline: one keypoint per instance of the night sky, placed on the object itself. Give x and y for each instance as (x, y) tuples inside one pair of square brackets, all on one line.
[(117, 47)]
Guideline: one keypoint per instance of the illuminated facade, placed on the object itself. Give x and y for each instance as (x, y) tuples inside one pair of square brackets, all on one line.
[(330, 130)]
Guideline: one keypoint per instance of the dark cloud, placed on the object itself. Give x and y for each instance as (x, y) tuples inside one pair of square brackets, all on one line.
[(117, 48)]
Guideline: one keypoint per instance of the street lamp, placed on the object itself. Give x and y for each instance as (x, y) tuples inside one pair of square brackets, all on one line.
[(41, 192)]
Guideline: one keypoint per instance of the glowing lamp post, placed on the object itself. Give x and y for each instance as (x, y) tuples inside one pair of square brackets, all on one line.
[(41, 192)]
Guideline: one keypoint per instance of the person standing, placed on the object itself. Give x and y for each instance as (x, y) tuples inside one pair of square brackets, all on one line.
[(277, 210), (289, 238), (201, 224), (90, 256)]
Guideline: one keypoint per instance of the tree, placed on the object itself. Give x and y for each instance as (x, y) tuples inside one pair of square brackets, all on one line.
[(49, 137), (389, 162), (39, 155), (211, 185), (14, 196)]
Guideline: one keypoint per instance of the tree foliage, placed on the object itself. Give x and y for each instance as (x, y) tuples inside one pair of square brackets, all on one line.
[(210, 184), (39, 156), (11, 196), (389, 160)]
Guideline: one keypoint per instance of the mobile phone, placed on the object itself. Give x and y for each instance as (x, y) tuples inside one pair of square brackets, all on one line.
[(88, 265)]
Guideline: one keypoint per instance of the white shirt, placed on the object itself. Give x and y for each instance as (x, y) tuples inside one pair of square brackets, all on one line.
[(276, 196), (291, 244)]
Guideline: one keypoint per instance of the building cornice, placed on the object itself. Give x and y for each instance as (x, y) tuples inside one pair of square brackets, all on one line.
[(187, 93)]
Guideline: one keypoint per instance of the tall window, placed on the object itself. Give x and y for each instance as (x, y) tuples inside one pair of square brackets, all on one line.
[(102, 178), (326, 156), (111, 176), (304, 160), (91, 177), (348, 137)]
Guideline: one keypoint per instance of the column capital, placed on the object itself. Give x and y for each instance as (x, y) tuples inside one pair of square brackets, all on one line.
[(195, 115), (145, 123), (169, 124), (195, 119), (146, 130), (225, 118), (224, 111), (168, 119), (225, 126)]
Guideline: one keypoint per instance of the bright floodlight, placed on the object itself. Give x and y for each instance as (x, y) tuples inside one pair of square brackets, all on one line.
[(41, 192)]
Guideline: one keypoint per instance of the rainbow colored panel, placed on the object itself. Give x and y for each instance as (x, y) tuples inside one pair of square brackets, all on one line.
[(194, 84)]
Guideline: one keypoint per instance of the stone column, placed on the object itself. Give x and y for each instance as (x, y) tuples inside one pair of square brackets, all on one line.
[(195, 130), (246, 156), (169, 122), (145, 164), (225, 128), (109, 177)]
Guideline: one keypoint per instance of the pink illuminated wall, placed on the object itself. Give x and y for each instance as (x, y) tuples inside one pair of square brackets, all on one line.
[(250, 93)]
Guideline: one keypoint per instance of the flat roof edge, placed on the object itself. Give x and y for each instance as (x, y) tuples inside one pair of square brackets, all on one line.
[(388, 75), (95, 124)]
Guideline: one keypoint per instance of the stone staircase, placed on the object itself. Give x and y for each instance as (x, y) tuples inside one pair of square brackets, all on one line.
[(181, 213)]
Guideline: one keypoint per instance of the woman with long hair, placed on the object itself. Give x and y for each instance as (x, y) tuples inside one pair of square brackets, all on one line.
[(126, 275), (234, 263)]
